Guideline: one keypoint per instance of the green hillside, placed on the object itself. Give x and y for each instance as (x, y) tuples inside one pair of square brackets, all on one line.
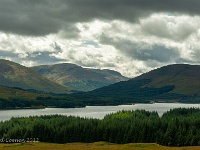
[(173, 83), (15, 75), (17, 93), (78, 78), (11, 98), (185, 78)]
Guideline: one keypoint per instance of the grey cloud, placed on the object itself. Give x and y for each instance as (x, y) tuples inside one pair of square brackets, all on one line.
[(57, 47), (25, 19), (95, 64), (195, 56), (43, 58), (180, 29), (185, 61), (130, 10), (143, 51), (42, 17), (87, 63), (29, 17), (9, 54), (69, 31), (156, 52), (37, 57), (89, 42)]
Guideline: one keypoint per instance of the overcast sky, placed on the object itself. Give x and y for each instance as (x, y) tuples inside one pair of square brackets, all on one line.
[(129, 36)]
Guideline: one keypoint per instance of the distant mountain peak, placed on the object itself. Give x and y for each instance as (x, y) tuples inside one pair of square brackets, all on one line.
[(79, 78)]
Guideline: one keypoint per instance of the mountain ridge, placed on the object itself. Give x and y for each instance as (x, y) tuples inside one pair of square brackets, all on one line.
[(172, 83), (16, 75), (185, 77), (77, 77)]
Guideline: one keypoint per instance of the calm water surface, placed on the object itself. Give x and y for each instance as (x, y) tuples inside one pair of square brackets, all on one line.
[(92, 111)]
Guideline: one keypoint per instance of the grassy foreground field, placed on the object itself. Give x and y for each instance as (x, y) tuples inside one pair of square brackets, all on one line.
[(90, 146)]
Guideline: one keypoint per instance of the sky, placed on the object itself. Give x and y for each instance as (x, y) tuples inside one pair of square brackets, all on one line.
[(129, 36)]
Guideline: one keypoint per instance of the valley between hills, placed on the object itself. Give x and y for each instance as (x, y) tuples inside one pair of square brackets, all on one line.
[(46, 86), (100, 74), (69, 85)]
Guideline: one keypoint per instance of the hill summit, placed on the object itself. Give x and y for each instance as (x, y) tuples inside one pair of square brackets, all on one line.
[(184, 77), (15, 75), (79, 78), (172, 83)]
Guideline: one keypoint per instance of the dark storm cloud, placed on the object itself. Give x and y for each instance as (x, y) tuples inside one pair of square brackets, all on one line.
[(42, 17)]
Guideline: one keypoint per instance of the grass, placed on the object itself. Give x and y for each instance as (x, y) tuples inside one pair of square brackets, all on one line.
[(91, 146), (7, 92)]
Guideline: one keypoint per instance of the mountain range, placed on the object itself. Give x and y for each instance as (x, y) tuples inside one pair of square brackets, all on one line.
[(174, 83), (54, 85), (58, 78), (78, 78)]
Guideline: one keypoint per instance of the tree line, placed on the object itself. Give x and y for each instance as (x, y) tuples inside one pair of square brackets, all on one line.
[(178, 127), (130, 92)]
